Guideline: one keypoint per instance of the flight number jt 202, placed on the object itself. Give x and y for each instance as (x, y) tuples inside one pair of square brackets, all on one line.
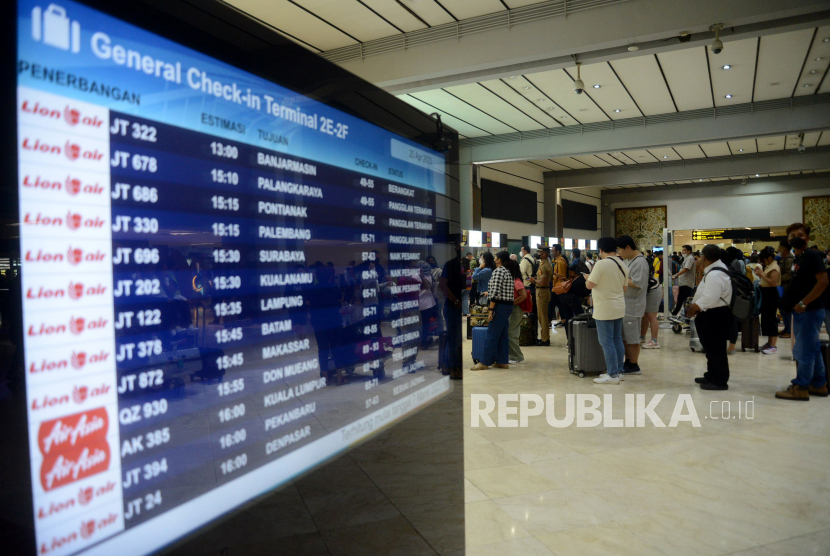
[(149, 286), (142, 132)]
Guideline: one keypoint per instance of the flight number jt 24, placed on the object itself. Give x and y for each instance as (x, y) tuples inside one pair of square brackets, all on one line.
[(142, 132), (151, 501)]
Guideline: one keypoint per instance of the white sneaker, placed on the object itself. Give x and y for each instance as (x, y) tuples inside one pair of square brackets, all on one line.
[(513, 362), (651, 344), (770, 351), (604, 378)]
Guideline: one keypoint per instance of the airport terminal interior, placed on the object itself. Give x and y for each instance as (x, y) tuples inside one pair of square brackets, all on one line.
[(552, 366)]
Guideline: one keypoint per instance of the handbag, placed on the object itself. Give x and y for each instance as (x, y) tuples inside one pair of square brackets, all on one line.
[(563, 287)]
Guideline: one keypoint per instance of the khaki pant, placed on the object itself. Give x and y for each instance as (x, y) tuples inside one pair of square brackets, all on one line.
[(542, 301), (514, 326)]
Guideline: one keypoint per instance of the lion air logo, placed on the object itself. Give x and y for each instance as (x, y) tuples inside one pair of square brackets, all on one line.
[(71, 115), (73, 150), (74, 255), (79, 395), (85, 496), (73, 185), (76, 290), (76, 325), (78, 359), (87, 528), (73, 220)]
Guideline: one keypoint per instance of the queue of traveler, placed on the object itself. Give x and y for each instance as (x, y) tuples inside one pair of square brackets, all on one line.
[(622, 288)]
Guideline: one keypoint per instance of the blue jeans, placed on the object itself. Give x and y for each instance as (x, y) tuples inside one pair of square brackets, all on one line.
[(807, 350), (452, 317), (610, 338), (497, 343)]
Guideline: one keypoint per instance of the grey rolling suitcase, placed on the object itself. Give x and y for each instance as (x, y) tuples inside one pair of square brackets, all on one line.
[(584, 352)]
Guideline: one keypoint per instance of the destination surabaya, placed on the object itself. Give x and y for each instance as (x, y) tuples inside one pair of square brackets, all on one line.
[(589, 410)]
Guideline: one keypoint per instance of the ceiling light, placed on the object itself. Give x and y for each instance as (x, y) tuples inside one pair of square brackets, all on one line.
[(551, 107), (527, 88), (512, 77), (807, 85), (757, 175), (596, 86), (740, 150), (727, 66), (813, 71), (701, 179), (826, 40), (564, 118), (633, 48), (664, 156), (617, 110), (728, 96), (819, 59)]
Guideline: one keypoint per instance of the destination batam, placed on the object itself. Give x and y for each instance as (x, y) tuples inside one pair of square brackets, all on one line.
[(278, 209), (288, 187), (276, 232), (273, 303), (281, 256), (280, 163), (276, 327), (292, 279), (269, 352)]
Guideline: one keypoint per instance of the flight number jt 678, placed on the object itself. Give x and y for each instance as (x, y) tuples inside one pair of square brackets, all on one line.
[(140, 193), (142, 132), (138, 162), (140, 225)]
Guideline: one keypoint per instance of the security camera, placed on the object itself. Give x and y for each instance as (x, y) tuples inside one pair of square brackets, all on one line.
[(802, 149), (579, 85), (717, 45)]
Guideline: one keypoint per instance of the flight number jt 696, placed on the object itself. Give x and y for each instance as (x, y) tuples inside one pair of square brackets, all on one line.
[(141, 225), (141, 255), (142, 132), (138, 162), (140, 193)]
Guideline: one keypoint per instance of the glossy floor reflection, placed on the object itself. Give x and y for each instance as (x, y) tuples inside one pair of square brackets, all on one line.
[(731, 487)]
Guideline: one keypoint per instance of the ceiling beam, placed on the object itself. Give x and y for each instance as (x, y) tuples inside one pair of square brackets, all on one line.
[(697, 169), (596, 35), (748, 125)]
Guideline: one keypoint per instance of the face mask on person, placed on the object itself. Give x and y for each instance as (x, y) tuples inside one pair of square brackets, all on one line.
[(798, 243)]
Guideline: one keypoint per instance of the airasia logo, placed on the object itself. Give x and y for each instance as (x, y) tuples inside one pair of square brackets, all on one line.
[(73, 151), (72, 430), (75, 290), (73, 464), (74, 255), (77, 361), (70, 115), (73, 186)]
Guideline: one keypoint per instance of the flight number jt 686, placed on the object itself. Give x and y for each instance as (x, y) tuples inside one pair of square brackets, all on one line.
[(140, 193)]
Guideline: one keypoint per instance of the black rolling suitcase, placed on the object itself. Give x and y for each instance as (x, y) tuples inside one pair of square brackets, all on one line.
[(750, 333), (585, 355)]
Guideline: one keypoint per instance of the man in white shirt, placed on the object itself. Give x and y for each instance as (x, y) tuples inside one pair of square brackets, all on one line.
[(713, 318), (608, 283), (685, 278)]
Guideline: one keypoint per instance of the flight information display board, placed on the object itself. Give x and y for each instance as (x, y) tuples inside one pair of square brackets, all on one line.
[(224, 282)]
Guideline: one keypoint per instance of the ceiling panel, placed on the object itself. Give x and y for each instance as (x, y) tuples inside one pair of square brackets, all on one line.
[(641, 156), (824, 139), (690, 151), (743, 146), (463, 9), (779, 63), (486, 101), (610, 159), (665, 153), (533, 110), (462, 127), (535, 96), (570, 163), (560, 87), (767, 144), (287, 17), (817, 63), (737, 80), (641, 76), (715, 149), (810, 140), (395, 14), (688, 77), (592, 161), (553, 165), (445, 101), (429, 11), (621, 157), (544, 165), (350, 16), (611, 95)]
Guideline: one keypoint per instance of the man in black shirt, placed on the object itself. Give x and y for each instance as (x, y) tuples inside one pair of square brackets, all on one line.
[(804, 299), (452, 283)]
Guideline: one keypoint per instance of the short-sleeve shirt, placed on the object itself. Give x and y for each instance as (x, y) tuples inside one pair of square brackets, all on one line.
[(544, 274), (687, 279), (610, 276), (770, 267), (805, 268), (635, 298), (561, 269)]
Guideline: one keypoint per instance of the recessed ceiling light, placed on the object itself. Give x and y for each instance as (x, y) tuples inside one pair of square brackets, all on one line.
[(664, 156), (701, 179), (813, 71), (757, 175), (540, 100), (727, 66), (826, 40), (596, 86), (740, 150), (617, 110), (564, 117), (808, 85), (819, 59), (551, 107), (527, 88), (728, 96)]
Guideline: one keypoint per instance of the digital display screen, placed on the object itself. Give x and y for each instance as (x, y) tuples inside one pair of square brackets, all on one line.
[(580, 243), (495, 239), (535, 242), (474, 239), (224, 282), (569, 244)]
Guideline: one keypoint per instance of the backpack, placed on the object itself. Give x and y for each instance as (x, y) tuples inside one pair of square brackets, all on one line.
[(743, 295)]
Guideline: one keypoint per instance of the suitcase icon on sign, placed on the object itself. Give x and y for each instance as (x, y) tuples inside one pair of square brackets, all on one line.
[(55, 29)]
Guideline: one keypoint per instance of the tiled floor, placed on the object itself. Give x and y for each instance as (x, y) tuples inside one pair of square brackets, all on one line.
[(733, 486)]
